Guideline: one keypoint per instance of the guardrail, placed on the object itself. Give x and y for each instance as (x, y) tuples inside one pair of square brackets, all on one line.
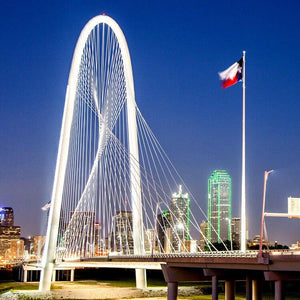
[(232, 254)]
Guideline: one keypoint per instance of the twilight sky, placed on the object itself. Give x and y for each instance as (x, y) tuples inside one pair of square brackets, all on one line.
[(177, 49)]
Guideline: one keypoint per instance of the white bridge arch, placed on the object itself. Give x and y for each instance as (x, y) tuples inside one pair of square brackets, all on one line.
[(112, 30), (113, 190)]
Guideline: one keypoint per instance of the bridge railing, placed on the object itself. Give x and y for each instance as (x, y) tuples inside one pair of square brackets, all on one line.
[(252, 253)]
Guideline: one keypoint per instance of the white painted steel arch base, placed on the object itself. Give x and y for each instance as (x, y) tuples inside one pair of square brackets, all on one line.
[(65, 144)]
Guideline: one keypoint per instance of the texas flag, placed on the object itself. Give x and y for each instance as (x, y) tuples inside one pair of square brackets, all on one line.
[(232, 75), (46, 206)]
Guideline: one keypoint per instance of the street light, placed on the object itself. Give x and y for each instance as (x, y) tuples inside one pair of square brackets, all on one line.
[(263, 213)]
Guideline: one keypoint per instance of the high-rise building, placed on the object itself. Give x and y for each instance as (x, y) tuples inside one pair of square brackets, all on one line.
[(6, 216), (219, 207), (79, 236), (16, 250), (38, 245), (9, 234), (149, 240), (203, 234), (236, 231), (164, 237), (121, 238), (180, 220)]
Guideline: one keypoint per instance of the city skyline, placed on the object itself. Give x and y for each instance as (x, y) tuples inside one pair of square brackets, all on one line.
[(175, 67)]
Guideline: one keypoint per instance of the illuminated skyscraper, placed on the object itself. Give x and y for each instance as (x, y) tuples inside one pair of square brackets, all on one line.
[(164, 231), (122, 239), (180, 220), (235, 231), (78, 237), (6, 216), (203, 234), (9, 234), (219, 207)]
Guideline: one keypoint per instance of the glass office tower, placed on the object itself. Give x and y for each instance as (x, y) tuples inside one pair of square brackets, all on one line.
[(219, 207), (180, 220)]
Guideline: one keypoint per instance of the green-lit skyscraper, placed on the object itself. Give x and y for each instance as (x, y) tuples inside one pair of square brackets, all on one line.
[(219, 207)]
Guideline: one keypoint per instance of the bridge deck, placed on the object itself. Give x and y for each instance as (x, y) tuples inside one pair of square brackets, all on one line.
[(273, 261)]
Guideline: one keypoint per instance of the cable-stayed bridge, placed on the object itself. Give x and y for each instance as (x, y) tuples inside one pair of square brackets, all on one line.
[(116, 195)]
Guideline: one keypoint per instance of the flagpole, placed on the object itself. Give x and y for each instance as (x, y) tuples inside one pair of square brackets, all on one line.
[(243, 200)]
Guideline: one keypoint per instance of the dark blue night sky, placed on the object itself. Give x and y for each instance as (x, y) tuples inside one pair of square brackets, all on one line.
[(177, 49)]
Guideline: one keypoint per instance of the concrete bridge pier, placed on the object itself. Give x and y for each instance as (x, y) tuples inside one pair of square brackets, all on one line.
[(172, 290), (248, 288), (229, 289), (279, 278), (256, 289), (72, 276), (54, 275), (214, 287), (173, 275), (25, 273), (215, 276), (279, 290), (141, 278)]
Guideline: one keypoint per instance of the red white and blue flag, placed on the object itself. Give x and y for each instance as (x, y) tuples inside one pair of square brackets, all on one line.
[(47, 206), (232, 75)]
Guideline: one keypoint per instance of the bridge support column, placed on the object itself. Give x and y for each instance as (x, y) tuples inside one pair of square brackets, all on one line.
[(256, 289), (172, 290), (54, 275), (72, 275), (214, 288), (279, 278), (279, 295), (248, 288), (229, 290), (140, 278), (25, 274)]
